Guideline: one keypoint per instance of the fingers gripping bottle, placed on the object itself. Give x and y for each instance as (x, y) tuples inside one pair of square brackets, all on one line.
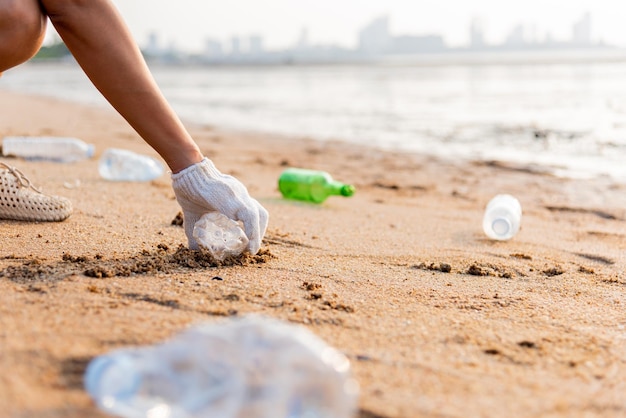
[(311, 185), (220, 236), (502, 217)]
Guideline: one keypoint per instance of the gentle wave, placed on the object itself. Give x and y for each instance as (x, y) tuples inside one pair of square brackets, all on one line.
[(568, 117)]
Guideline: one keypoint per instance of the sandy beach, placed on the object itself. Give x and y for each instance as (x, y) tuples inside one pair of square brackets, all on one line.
[(436, 319)]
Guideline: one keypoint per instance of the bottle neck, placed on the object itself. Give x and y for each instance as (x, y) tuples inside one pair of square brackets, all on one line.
[(340, 189)]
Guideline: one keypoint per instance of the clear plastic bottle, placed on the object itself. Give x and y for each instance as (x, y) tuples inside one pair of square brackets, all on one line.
[(311, 185), (253, 367), (219, 235), (503, 217), (49, 148), (123, 165)]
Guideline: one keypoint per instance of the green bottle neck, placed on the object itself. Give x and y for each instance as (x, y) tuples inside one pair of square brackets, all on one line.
[(340, 189)]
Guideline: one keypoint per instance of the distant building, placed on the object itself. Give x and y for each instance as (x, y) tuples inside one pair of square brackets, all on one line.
[(581, 31), (411, 44), (516, 38), (477, 35), (154, 52), (255, 46), (153, 47), (533, 37), (213, 49), (375, 38), (303, 42), (235, 46)]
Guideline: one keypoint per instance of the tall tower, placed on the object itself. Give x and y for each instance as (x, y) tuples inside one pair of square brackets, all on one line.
[(303, 41), (256, 45), (235, 46), (581, 31), (153, 47), (375, 38), (477, 35)]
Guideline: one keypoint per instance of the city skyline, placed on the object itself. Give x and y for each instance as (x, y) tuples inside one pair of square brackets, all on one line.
[(375, 40), (187, 25), (521, 34)]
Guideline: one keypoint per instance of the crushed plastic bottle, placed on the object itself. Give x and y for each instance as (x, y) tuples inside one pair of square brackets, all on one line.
[(252, 367), (123, 165), (220, 236), (47, 148), (502, 218), (311, 185)]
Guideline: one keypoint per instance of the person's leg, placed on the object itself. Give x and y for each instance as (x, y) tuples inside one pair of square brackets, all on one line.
[(22, 29), (98, 38)]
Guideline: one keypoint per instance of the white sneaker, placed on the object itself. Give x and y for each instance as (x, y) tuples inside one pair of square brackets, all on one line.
[(21, 201)]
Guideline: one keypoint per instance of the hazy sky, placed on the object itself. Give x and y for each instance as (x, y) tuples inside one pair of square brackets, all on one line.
[(187, 23)]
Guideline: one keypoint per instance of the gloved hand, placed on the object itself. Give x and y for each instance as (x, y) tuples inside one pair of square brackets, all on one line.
[(201, 188)]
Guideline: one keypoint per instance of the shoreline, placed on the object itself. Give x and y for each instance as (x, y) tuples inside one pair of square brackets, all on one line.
[(532, 326), (550, 167), (574, 140)]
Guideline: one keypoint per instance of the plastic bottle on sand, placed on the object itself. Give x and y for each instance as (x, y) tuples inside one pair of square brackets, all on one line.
[(219, 235), (311, 185), (502, 218), (48, 148), (123, 165), (252, 367)]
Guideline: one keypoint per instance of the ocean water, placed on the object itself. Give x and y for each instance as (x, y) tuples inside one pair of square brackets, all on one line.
[(567, 117)]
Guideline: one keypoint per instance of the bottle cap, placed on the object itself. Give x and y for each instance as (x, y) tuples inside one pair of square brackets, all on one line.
[(501, 227), (347, 190)]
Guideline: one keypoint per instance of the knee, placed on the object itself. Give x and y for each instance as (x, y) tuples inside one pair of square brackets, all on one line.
[(59, 10), (22, 30)]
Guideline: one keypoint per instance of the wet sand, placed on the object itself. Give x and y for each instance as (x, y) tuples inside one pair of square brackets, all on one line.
[(437, 320)]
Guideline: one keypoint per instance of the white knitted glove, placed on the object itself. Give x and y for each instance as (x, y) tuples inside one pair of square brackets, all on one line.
[(201, 188)]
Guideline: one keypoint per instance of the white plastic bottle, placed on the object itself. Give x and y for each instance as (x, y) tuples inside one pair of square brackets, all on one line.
[(503, 217), (219, 235), (50, 148), (251, 367), (123, 165)]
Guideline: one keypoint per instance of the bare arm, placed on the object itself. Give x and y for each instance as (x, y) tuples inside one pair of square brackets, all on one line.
[(98, 38), (100, 41)]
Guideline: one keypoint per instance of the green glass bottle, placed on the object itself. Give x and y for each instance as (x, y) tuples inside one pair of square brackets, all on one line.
[(311, 185)]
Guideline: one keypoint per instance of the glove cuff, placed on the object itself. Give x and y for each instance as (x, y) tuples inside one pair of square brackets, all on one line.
[(194, 174), (204, 166)]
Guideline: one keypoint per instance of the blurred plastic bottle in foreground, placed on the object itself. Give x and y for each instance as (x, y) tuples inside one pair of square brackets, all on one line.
[(254, 367), (48, 148), (503, 217), (124, 165), (310, 185), (220, 236)]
